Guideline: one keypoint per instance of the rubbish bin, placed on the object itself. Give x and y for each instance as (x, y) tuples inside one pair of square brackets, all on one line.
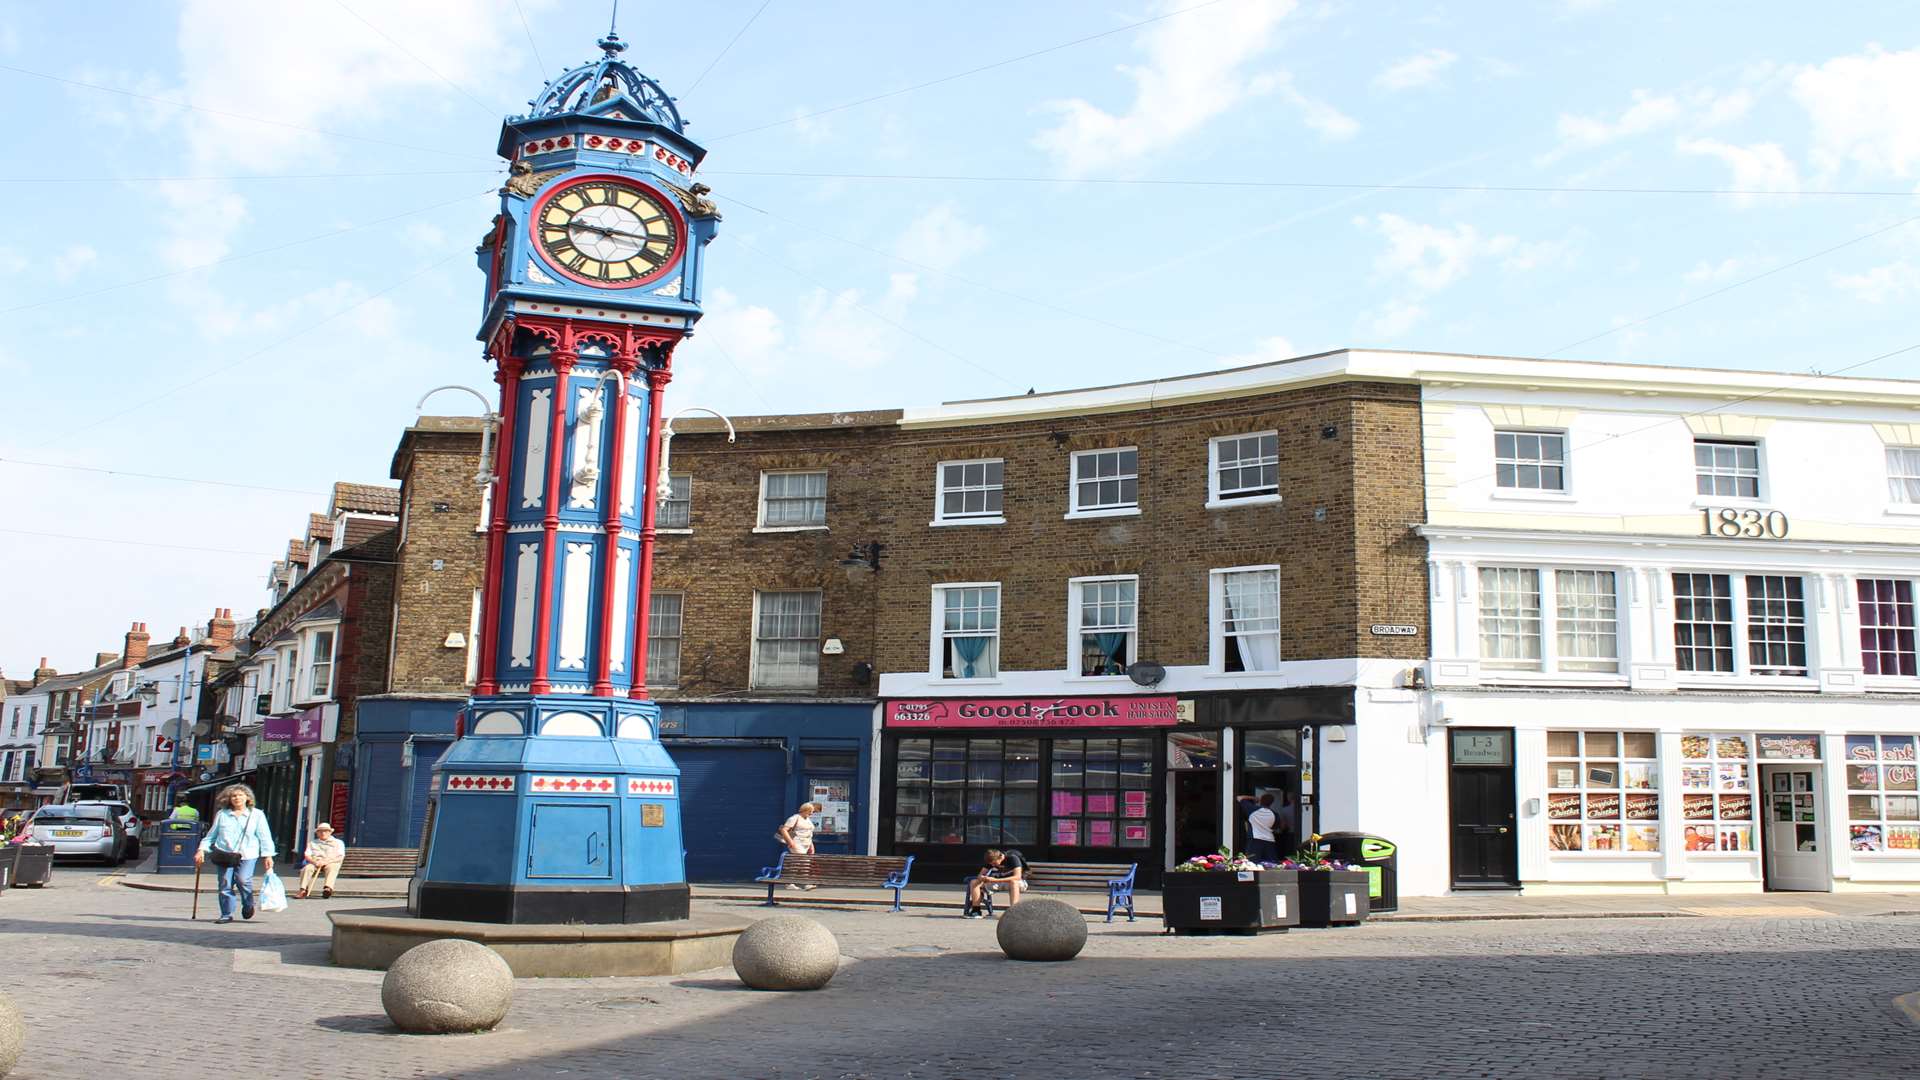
[(179, 839), (1378, 856)]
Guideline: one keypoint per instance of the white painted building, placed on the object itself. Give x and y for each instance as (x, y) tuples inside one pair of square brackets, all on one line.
[(1673, 632)]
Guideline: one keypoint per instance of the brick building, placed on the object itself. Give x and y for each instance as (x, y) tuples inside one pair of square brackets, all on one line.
[(439, 559)]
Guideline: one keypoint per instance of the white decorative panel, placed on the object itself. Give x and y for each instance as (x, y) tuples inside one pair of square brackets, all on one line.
[(526, 580), (635, 727), (539, 412), (498, 722), (575, 590), (572, 724), (635, 445), (622, 570), (585, 477)]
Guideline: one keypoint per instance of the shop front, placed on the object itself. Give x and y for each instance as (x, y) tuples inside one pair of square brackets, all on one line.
[(1150, 779), (314, 731)]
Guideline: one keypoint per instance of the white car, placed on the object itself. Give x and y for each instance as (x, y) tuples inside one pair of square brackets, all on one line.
[(80, 832), (129, 823)]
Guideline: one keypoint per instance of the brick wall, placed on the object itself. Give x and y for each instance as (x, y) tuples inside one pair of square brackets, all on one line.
[(435, 465)]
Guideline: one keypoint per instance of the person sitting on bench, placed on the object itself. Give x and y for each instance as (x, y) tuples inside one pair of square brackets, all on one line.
[(1005, 871)]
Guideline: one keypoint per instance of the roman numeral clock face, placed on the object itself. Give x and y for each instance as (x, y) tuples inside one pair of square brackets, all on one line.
[(607, 233)]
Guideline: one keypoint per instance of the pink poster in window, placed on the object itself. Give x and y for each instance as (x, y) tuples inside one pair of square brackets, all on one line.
[(1066, 803), (1134, 833), (1099, 834), (1066, 833), (1136, 806), (1100, 803)]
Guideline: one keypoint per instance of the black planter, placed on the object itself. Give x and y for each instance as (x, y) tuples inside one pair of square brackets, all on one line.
[(1333, 897), (32, 865), (1224, 900), (8, 852)]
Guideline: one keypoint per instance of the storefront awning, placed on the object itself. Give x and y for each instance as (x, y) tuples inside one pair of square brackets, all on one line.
[(212, 785)]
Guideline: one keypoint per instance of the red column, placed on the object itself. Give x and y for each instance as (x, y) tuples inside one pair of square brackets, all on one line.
[(563, 362), (508, 376), (657, 380), (610, 547)]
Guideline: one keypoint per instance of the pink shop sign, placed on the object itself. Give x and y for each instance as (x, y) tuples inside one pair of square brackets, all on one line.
[(1155, 710)]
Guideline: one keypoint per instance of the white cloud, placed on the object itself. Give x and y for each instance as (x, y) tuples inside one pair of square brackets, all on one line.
[(1395, 318), (1316, 114), (1432, 257), (1719, 271), (68, 264), (1894, 281), (1422, 69), (940, 238), (1865, 110), (1650, 112), (1192, 74), (1760, 167)]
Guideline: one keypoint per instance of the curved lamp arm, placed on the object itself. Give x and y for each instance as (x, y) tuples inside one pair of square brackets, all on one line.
[(664, 486), (485, 475), (587, 472)]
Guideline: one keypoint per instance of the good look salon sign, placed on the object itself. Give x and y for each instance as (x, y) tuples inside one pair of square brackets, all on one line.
[(1156, 710)]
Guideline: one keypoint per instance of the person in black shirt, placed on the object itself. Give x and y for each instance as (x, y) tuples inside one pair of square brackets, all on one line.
[(1004, 870)]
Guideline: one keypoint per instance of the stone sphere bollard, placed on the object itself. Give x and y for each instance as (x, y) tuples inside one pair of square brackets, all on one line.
[(448, 985), (786, 952), (13, 1034), (1042, 930)]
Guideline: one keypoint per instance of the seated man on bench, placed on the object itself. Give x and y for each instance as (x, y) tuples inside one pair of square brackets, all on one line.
[(1005, 870)]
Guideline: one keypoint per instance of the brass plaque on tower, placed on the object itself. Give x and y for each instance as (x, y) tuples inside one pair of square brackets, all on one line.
[(653, 815)]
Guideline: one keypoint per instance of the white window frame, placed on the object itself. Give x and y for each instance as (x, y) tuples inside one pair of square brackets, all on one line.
[(1075, 510), (938, 633), (1743, 668), (286, 690), (1759, 472), (763, 527), (679, 530), (1217, 621), (1903, 479), (755, 678), (654, 636), (1518, 492), (309, 647), (1860, 626), (1556, 664), (1218, 500), (987, 517), (1075, 629)]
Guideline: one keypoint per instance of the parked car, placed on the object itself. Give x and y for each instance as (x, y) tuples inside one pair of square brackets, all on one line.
[(81, 832), (129, 822), (78, 793)]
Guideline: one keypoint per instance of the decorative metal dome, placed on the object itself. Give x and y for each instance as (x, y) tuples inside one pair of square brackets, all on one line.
[(590, 84)]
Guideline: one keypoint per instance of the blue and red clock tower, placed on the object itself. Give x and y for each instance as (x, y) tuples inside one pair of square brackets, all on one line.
[(558, 804)]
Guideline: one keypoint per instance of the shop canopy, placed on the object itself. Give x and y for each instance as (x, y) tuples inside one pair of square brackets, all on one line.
[(215, 785)]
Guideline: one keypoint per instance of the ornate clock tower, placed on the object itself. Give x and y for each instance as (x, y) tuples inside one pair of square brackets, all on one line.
[(558, 804)]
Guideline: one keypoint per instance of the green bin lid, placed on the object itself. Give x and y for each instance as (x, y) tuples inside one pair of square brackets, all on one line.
[(1375, 848)]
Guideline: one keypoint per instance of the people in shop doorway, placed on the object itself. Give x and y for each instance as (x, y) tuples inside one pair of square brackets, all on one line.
[(239, 844), (324, 855), (1004, 871), (1262, 825), (796, 834)]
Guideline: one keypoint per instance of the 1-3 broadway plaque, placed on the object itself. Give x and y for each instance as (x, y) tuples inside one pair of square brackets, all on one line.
[(1155, 710)]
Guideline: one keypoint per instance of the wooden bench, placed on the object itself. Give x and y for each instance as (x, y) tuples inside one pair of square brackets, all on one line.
[(847, 871), (1115, 878), (379, 862)]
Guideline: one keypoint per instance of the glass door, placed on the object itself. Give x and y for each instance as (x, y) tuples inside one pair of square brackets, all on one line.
[(1193, 795), (1794, 841)]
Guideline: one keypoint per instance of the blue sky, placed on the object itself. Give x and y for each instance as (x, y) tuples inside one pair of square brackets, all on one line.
[(257, 290)]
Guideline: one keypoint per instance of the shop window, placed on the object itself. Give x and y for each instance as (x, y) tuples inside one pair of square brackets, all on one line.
[(1716, 793), (1713, 611), (1726, 469), (1099, 793), (1193, 750), (1246, 626), (676, 507), (1703, 622), (1603, 791), (663, 638), (1886, 626), (793, 500), (786, 645), (1269, 748), (969, 491), (1903, 474), (1244, 467), (1106, 482), (1530, 460), (1106, 615), (968, 630), (319, 665), (1510, 618), (981, 792), (1883, 797)]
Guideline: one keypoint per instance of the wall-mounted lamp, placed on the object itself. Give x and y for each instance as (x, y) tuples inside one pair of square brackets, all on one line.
[(586, 465), (865, 556), (666, 442), (485, 475)]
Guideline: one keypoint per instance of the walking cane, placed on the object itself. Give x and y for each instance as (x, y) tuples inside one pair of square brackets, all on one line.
[(195, 917)]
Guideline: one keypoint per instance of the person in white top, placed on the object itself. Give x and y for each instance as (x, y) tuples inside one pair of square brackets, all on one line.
[(1261, 826), (324, 856), (797, 832)]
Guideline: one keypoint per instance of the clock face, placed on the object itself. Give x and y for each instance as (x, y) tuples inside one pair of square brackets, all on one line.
[(607, 232)]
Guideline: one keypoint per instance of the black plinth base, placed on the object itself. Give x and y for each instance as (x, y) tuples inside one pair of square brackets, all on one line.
[(517, 904)]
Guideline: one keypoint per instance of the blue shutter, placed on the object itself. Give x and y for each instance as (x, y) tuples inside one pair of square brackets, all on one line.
[(425, 754), (732, 799), (383, 790)]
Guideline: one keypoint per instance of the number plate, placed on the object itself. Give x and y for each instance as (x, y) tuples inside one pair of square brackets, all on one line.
[(68, 832)]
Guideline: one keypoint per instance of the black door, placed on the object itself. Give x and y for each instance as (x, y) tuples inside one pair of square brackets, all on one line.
[(1196, 814), (1484, 838)]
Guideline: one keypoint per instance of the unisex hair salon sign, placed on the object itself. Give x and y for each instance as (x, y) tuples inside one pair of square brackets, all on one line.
[(1155, 710)]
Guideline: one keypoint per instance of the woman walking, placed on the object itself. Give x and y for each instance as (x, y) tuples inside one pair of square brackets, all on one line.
[(237, 843), (797, 832)]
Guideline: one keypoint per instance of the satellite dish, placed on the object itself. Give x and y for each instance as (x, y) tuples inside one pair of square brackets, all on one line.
[(1146, 673)]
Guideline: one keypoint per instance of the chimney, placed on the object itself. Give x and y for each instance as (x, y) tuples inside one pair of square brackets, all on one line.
[(102, 659), (220, 629), (43, 672), (181, 639), (136, 646)]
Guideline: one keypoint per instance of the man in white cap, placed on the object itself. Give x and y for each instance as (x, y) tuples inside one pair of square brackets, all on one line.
[(324, 856)]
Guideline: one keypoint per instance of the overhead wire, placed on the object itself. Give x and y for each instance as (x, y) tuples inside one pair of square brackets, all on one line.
[(528, 30), (751, 19), (140, 543), (157, 476), (491, 111)]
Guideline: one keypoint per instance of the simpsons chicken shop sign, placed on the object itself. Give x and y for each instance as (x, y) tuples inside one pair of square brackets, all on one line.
[(1156, 710)]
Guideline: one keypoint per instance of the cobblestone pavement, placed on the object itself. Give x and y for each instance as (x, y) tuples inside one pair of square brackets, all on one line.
[(116, 982)]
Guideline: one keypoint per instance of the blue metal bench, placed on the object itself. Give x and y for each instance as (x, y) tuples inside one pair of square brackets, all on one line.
[(1115, 878), (845, 871)]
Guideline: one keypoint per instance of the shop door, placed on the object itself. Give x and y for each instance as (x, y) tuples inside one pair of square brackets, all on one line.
[(1196, 814), (1793, 840), (1481, 795)]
